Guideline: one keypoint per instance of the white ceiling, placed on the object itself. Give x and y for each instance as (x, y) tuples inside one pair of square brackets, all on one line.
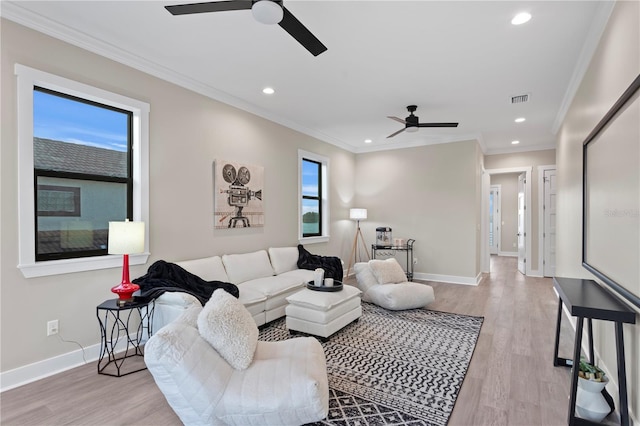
[(457, 60)]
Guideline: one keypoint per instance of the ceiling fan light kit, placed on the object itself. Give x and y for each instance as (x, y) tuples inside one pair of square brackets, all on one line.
[(264, 11), (412, 122), (267, 12)]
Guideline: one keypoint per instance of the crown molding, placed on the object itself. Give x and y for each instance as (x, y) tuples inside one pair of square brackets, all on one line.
[(597, 27)]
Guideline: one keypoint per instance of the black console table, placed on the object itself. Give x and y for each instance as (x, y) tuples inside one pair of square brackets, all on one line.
[(587, 299), (407, 248)]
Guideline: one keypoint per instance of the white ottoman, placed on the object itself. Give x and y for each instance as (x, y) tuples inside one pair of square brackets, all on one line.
[(323, 313)]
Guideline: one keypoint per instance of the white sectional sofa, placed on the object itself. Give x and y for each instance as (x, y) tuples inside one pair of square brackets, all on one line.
[(265, 278)]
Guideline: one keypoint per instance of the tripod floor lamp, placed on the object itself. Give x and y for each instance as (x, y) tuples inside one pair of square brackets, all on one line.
[(357, 215)]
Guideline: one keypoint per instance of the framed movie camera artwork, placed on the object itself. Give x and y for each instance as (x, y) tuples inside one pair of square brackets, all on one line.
[(237, 195)]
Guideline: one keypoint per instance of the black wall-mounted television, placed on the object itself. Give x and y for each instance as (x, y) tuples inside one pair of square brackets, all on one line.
[(611, 197)]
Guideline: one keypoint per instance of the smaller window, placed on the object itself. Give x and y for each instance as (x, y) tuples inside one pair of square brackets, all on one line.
[(58, 200), (311, 200), (314, 205)]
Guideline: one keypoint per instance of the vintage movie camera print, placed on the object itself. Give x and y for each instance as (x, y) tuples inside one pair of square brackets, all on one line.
[(237, 204)]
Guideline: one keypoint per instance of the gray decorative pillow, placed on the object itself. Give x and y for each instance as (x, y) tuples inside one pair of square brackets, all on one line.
[(388, 271), (227, 325)]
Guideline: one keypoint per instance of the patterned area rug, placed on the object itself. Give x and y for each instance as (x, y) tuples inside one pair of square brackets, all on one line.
[(395, 367)]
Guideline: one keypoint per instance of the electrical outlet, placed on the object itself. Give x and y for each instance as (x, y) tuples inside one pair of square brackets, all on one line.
[(52, 327), (415, 260)]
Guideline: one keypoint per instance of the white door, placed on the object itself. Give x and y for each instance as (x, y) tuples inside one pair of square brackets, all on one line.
[(522, 211), (549, 259), (494, 219)]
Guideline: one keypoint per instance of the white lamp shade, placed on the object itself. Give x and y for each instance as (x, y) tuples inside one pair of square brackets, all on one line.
[(267, 12), (411, 129), (126, 237), (357, 214)]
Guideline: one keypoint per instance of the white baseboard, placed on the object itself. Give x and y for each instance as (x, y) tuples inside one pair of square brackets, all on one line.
[(39, 370), (508, 253), (451, 279)]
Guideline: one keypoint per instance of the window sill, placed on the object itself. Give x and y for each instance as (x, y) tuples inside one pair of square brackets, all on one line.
[(314, 240), (66, 266)]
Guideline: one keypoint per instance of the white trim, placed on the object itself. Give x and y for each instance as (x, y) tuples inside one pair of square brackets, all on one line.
[(324, 161), (541, 170), (450, 279), (508, 253), (527, 188), (58, 364), (596, 28), (27, 78), (496, 151)]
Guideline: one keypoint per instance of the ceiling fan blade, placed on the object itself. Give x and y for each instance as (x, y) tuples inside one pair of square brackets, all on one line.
[(437, 124), (399, 120), (211, 6), (393, 134), (298, 31)]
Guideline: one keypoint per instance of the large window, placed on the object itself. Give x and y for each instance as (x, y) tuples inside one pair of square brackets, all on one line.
[(82, 159), (82, 163), (314, 211)]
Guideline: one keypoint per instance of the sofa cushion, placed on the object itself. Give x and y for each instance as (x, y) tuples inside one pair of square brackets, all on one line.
[(283, 259), (247, 266), (228, 326), (365, 279), (274, 285), (401, 296), (387, 271), (208, 268), (302, 275), (323, 301)]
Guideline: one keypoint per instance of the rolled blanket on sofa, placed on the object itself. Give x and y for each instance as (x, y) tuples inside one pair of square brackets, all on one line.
[(164, 276), (332, 265)]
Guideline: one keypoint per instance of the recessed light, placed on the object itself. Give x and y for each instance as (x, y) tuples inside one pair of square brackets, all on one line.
[(521, 18), (268, 91), (520, 119), (368, 141), (515, 142)]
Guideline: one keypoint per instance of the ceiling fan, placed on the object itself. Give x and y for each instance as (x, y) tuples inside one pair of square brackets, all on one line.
[(411, 123), (264, 11)]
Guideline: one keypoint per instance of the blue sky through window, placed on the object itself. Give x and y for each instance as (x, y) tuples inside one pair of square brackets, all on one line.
[(68, 120), (310, 185)]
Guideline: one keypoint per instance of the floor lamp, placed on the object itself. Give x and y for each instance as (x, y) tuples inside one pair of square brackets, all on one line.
[(357, 215)]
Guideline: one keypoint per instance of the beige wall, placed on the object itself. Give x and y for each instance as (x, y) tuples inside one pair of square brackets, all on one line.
[(429, 194), (187, 133), (614, 66), (531, 159), (509, 215)]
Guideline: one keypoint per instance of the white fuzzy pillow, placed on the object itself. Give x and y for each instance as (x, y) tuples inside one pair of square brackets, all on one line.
[(388, 271), (227, 325)]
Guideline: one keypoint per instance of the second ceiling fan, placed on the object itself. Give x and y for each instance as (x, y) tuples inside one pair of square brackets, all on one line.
[(412, 123), (265, 11)]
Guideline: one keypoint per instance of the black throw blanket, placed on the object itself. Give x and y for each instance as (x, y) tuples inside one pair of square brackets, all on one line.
[(164, 276), (332, 265)]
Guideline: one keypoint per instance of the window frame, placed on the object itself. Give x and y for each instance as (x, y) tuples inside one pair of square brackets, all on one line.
[(323, 198), (29, 78)]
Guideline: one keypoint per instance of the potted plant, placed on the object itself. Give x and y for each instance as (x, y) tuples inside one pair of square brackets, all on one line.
[(590, 403)]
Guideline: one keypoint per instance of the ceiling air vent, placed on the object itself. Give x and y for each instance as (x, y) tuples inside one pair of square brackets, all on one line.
[(518, 99)]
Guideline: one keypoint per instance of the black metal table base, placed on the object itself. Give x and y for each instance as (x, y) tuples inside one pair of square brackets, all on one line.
[(118, 342)]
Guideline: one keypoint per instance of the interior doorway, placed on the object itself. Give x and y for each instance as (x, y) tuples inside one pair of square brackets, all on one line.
[(526, 220), (522, 233), (494, 219)]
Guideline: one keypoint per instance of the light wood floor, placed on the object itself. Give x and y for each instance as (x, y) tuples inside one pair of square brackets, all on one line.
[(511, 379)]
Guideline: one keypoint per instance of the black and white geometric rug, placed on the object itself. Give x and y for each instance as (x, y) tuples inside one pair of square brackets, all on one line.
[(395, 367)]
